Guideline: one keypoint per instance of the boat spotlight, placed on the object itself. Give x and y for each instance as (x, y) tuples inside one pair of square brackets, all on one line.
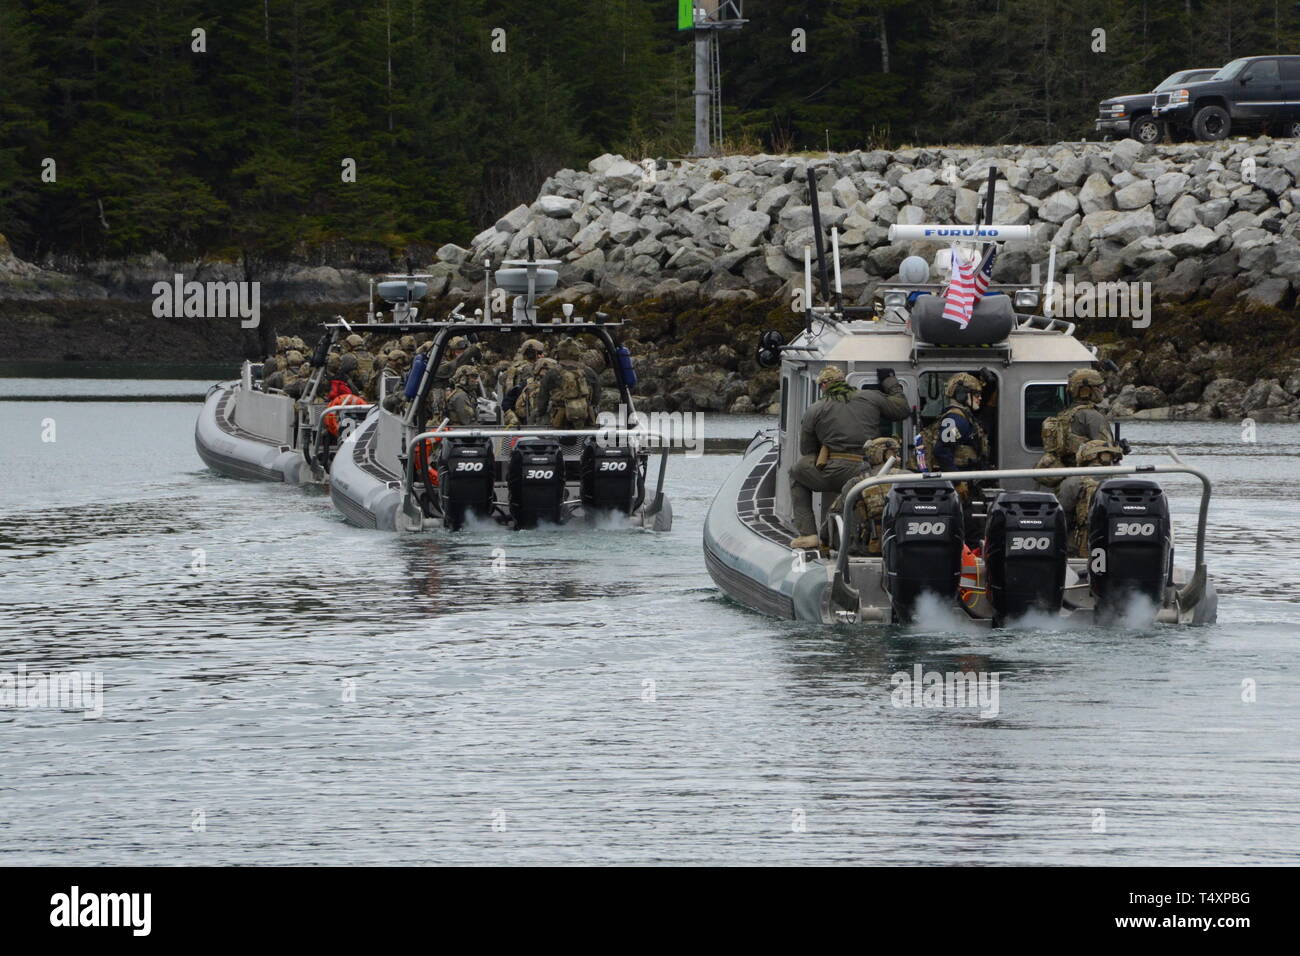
[(1026, 298), (895, 300)]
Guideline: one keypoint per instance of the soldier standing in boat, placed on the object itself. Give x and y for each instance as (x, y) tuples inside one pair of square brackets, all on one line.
[(1065, 433), (569, 393), (462, 406), (831, 436)]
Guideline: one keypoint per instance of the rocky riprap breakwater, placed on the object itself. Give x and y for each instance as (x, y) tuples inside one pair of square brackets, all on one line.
[(701, 255), (1187, 218)]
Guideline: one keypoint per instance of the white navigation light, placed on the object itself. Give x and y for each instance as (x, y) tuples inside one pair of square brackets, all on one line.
[(939, 232), (914, 270)]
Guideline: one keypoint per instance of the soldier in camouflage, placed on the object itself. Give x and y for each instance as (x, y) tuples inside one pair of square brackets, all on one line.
[(1082, 421), (831, 436), (1076, 491), (462, 406), (569, 392), (871, 503)]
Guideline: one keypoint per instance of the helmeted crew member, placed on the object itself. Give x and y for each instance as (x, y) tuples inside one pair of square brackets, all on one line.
[(1076, 491), (959, 441), (521, 369), (831, 436), (462, 406), (569, 393), (526, 410), (1081, 421), (871, 503)]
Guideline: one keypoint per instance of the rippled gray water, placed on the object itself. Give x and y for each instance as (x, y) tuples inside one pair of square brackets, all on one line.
[(504, 710)]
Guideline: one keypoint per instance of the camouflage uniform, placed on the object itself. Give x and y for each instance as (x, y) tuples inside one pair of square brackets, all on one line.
[(462, 406), (870, 505), (1077, 491), (569, 393), (395, 367), (1066, 432), (831, 436)]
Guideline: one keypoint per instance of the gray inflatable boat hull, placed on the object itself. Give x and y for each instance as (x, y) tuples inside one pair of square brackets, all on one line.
[(231, 451), (752, 568), (363, 493)]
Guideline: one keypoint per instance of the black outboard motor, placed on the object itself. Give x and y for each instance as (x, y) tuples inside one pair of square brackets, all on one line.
[(1130, 547), (609, 477), (466, 473), (921, 544), (1025, 549), (536, 482)]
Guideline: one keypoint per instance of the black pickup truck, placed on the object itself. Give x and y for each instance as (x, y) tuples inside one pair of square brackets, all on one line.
[(1122, 116), (1253, 93)]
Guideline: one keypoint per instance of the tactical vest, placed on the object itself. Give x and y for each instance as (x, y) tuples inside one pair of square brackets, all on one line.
[(965, 454), (1059, 437), (365, 363), (570, 403), (1079, 537)]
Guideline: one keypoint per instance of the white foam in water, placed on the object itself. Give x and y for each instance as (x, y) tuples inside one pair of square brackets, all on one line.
[(934, 613), (1138, 614), (1037, 620)]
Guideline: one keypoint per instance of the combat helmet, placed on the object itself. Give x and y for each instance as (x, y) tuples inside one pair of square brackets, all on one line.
[(1086, 385), (458, 342), (962, 387), (1090, 451), (463, 374), (534, 346), (831, 373), (878, 450), (355, 341), (569, 350)]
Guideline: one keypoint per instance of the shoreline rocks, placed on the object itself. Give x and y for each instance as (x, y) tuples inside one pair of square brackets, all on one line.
[(1209, 226)]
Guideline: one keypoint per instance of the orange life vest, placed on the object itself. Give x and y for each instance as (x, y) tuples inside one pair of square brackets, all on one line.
[(332, 421)]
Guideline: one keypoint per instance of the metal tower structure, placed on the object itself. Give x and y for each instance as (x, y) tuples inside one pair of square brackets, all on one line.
[(708, 18)]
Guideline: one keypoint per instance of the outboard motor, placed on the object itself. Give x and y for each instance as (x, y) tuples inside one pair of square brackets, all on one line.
[(466, 472), (1025, 549), (921, 544), (609, 477), (1130, 547), (536, 482)]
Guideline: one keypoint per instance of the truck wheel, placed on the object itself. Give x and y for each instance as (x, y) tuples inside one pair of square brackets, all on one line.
[(1146, 130), (1212, 123), (1291, 129)]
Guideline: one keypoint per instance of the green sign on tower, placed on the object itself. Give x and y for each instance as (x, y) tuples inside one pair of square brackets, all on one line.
[(685, 14)]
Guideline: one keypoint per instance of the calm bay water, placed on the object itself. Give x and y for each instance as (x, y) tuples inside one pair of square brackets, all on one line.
[(556, 697)]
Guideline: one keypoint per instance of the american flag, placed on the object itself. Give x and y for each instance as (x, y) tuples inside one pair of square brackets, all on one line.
[(968, 285), (984, 272), (961, 297)]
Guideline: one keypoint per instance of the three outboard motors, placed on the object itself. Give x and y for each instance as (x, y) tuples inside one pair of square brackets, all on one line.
[(536, 482), (1025, 550), (1130, 547), (609, 477), (467, 474), (921, 545)]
